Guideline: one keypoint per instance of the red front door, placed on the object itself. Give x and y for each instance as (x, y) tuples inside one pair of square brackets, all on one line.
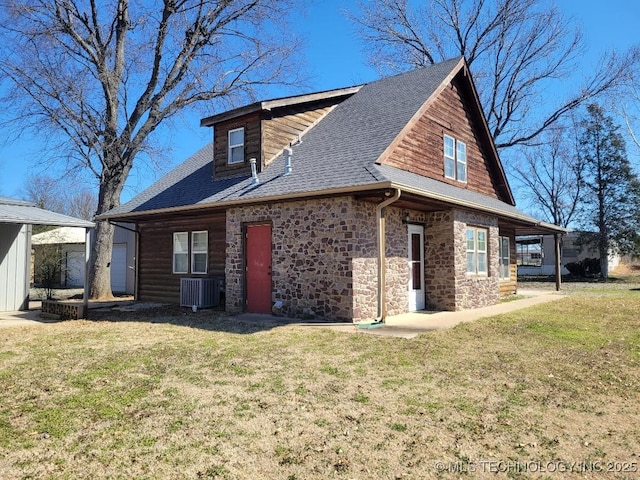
[(258, 250)]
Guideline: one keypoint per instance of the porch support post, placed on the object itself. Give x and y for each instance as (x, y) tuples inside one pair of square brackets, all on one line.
[(87, 254), (382, 267), (556, 238)]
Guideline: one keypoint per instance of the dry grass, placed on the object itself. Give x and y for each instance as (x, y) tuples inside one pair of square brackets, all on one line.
[(201, 396)]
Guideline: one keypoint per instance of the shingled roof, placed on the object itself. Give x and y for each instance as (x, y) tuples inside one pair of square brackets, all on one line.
[(338, 155)]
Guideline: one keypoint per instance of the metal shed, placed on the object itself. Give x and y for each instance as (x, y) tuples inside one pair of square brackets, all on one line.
[(17, 218)]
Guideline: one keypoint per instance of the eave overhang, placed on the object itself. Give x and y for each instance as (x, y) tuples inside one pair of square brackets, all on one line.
[(523, 223), (277, 103)]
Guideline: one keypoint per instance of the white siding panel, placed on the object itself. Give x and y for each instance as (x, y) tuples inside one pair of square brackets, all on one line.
[(15, 252)]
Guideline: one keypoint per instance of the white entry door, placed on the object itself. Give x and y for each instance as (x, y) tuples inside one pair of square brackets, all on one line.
[(416, 268)]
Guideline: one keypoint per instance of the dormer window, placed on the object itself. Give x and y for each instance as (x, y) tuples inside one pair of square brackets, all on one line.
[(236, 146), (455, 159)]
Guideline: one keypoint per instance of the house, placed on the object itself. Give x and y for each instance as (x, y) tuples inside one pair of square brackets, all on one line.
[(70, 252), (346, 205), (536, 254), (16, 220)]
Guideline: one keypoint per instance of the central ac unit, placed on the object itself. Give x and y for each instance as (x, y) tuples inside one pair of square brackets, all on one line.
[(201, 292)]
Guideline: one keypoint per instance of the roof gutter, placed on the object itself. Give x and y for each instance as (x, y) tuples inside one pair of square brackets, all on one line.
[(382, 266), (248, 201)]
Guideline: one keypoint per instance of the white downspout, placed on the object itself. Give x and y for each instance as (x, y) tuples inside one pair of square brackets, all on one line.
[(382, 267)]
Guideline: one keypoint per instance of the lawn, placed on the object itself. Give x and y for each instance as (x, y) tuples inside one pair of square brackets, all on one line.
[(546, 392)]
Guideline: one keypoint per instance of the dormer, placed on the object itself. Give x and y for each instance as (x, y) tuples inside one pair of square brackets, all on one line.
[(263, 129)]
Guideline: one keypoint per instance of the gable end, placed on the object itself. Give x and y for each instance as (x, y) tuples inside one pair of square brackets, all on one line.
[(453, 112)]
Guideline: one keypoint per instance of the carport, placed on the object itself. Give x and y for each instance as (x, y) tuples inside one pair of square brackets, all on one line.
[(17, 218)]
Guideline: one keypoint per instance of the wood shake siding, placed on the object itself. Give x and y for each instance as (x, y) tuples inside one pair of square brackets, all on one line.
[(421, 151), (157, 282), (283, 128), (251, 125)]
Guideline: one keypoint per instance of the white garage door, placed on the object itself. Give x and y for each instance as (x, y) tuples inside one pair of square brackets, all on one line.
[(119, 268)]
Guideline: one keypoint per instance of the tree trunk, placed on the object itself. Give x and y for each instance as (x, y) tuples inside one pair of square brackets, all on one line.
[(100, 266), (604, 259), (102, 248)]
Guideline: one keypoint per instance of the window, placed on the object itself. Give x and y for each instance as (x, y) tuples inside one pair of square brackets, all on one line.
[(180, 252), (449, 157), (505, 263), (461, 161), (477, 251), (199, 252), (236, 146), (455, 159)]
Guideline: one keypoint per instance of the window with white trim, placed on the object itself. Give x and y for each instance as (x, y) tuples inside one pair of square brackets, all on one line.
[(455, 159), (199, 252), (477, 251), (236, 145), (505, 259), (181, 252)]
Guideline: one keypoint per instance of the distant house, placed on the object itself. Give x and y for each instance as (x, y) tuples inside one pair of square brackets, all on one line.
[(16, 220), (348, 205), (536, 254), (70, 243)]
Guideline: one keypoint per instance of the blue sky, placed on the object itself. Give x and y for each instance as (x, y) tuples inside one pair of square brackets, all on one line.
[(335, 59)]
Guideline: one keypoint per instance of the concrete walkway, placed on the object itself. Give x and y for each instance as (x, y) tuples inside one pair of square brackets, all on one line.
[(23, 319), (409, 325)]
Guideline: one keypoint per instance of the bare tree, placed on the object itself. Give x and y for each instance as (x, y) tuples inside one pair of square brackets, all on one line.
[(631, 113), (103, 76), (552, 175), (60, 195), (518, 51), (45, 192), (82, 204)]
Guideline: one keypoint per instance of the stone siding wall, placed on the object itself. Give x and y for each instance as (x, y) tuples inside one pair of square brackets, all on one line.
[(318, 247), (448, 285), (397, 262), (440, 261), (324, 260), (475, 291)]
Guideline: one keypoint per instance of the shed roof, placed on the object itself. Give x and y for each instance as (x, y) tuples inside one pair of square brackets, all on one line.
[(21, 212)]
